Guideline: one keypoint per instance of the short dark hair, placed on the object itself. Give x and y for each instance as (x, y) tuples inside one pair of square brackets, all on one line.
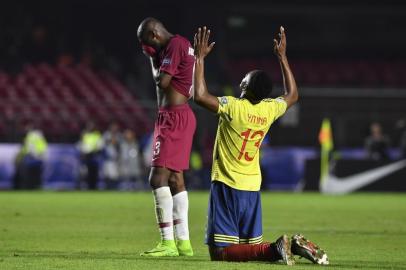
[(260, 84), (146, 25)]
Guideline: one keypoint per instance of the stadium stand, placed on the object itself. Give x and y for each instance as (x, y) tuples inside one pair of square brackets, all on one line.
[(60, 99)]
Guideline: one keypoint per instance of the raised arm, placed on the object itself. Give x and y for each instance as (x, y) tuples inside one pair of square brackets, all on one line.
[(291, 94), (200, 93), (154, 68), (161, 79)]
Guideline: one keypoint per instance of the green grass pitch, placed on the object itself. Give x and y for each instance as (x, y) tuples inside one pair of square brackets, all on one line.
[(101, 230)]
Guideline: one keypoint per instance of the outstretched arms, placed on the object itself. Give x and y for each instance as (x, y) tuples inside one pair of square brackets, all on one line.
[(200, 93), (202, 48), (291, 95)]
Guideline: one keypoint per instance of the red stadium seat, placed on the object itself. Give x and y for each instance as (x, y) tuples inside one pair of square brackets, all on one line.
[(61, 99)]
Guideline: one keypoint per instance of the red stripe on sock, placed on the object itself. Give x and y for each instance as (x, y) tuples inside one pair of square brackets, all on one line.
[(249, 252), (164, 224), (177, 221)]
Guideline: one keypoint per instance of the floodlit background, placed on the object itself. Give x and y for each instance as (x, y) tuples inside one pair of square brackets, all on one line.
[(78, 104)]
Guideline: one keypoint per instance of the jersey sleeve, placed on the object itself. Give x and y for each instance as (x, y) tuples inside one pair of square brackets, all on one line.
[(172, 58), (278, 108), (226, 106)]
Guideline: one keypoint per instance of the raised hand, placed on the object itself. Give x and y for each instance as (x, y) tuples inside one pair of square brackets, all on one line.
[(201, 42), (279, 48)]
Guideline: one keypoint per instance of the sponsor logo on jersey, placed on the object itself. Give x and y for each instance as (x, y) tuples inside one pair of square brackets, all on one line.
[(166, 61), (223, 100)]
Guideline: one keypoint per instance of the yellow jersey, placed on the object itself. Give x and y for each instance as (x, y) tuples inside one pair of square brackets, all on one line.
[(241, 129)]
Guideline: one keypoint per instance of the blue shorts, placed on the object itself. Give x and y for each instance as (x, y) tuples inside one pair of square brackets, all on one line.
[(234, 216)]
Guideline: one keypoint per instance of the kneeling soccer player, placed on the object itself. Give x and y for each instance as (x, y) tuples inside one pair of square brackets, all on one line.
[(234, 230)]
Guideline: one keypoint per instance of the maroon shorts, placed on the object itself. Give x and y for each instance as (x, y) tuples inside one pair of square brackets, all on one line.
[(173, 137)]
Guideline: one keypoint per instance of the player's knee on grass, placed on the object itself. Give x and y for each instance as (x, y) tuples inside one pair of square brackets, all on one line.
[(176, 182), (216, 253), (159, 177)]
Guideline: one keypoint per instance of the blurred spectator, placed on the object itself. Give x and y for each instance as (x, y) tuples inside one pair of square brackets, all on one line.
[(194, 174), (400, 126), (403, 143), (131, 163), (111, 145), (147, 149), (38, 48), (90, 145), (29, 161), (65, 59), (110, 162), (228, 90), (112, 131), (377, 143)]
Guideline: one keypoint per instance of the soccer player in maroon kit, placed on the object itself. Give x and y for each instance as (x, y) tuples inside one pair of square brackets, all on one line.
[(172, 59)]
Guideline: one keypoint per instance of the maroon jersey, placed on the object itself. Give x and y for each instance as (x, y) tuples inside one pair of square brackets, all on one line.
[(177, 59)]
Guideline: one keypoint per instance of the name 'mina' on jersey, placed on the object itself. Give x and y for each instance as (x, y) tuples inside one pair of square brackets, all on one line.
[(241, 129)]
